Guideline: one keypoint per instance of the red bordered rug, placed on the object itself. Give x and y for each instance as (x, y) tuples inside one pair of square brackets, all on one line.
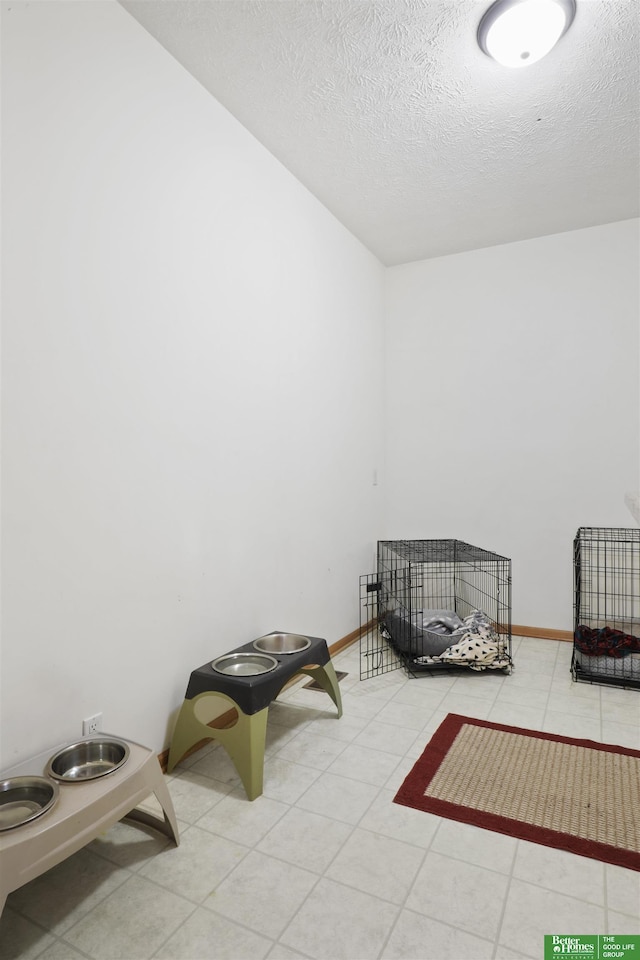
[(576, 795)]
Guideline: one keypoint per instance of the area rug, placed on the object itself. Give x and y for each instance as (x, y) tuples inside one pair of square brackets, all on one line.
[(562, 792)]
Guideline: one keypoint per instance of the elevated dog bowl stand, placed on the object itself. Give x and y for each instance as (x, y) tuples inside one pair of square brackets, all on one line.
[(251, 697), (83, 810)]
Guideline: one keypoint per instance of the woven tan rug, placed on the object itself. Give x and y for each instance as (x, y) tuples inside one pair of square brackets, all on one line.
[(573, 794)]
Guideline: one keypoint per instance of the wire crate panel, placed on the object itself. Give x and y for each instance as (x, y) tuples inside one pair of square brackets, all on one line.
[(606, 608), (377, 655), (439, 604)]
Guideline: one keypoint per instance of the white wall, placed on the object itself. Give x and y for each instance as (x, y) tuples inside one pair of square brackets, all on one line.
[(191, 370), (513, 403)]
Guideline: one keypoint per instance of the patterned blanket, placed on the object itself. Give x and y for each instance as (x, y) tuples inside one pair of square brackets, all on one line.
[(605, 641), (478, 646)]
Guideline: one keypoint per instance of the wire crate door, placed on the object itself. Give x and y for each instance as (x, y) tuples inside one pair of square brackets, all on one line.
[(377, 656)]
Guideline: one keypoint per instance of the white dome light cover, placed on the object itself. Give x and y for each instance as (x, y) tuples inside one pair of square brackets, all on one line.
[(518, 33)]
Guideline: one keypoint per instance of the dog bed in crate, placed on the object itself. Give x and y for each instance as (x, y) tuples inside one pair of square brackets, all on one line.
[(613, 669), (441, 638), (425, 633), (618, 670)]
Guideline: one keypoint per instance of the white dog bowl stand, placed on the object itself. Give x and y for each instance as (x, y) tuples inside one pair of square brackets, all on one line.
[(83, 811)]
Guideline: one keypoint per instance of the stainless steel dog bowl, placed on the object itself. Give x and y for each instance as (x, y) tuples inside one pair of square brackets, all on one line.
[(87, 760), (282, 643), (244, 664), (22, 799)]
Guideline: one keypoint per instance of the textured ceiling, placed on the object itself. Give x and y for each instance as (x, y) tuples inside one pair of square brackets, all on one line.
[(419, 143)]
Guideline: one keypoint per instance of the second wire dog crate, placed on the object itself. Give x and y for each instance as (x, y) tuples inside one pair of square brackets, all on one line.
[(412, 607), (606, 629)]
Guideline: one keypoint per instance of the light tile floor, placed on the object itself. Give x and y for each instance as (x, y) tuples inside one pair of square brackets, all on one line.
[(324, 864)]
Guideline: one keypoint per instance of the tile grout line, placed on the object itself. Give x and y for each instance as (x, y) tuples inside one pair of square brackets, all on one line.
[(497, 944)]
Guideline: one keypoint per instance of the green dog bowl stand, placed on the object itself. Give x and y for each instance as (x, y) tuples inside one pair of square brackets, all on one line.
[(251, 697)]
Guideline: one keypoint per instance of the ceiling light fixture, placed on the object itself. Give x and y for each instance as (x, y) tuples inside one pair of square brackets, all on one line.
[(517, 33)]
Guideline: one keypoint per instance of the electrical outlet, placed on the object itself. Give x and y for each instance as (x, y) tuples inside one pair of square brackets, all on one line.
[(91, 725)]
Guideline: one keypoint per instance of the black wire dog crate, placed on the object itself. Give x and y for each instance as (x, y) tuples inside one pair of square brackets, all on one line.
[(435, 605), (606, 608)]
